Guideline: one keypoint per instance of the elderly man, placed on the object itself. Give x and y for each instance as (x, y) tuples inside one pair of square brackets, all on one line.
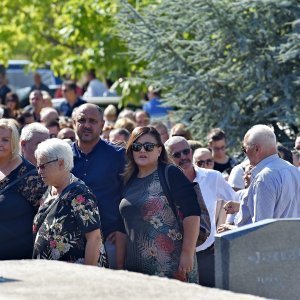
[(213, 187), (203, 158), (274, 191), (100, 165), (31, 136)]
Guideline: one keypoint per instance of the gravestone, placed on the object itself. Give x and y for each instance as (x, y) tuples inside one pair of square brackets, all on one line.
[(261, 259)]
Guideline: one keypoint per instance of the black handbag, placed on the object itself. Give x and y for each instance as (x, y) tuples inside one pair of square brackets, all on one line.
[(205, 224)]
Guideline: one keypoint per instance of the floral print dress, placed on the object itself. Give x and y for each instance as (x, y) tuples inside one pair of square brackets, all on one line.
[(61, 223), (154, 240)]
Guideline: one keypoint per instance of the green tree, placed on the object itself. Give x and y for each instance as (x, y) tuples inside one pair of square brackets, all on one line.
[(73, 35), (223, 63)]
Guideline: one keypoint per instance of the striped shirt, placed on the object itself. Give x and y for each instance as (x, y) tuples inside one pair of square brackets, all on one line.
[(274, 192)]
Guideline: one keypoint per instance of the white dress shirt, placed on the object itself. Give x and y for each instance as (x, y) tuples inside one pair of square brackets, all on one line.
[(213, 187)]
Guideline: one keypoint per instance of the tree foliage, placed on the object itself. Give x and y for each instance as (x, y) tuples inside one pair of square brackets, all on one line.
[(73, 35), (224, 63)]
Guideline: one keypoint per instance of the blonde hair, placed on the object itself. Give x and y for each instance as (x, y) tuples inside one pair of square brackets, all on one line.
[(15, 137)]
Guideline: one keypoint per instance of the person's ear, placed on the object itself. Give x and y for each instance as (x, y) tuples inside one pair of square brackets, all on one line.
[(22, 144)]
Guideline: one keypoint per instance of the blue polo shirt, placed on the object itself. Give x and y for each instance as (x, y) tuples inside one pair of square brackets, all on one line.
[(101, 170), (66, 109)]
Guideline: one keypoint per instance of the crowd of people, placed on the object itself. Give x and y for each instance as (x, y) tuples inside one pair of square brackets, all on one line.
[(103, 188)]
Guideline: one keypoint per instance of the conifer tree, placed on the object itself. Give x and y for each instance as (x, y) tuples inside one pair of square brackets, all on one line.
[(223, 63)]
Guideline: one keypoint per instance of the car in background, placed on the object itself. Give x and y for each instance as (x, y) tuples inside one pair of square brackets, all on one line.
[(20, 79)]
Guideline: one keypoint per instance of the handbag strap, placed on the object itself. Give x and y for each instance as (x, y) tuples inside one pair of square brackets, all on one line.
[(167, 190), (8, 186)]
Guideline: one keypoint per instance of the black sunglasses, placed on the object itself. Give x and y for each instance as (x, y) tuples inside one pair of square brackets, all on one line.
[(137, 147), (186, 151), (201, 163)]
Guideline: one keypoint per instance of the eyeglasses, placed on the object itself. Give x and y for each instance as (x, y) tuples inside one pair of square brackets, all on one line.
[(137, 147), (222, 148), (186, 151), (245, 148), (42, 166), (201, 163)]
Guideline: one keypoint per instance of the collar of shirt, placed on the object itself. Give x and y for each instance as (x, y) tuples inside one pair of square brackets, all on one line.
[(78, 153), (200, 173), (262, 164)]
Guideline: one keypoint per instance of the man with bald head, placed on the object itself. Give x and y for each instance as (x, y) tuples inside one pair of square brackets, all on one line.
[(203, 158), (274, 191), (100, 165), (213, 187)]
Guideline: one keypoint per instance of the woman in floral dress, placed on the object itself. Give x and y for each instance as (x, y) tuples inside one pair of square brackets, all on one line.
[(67, 225), (157, 243)]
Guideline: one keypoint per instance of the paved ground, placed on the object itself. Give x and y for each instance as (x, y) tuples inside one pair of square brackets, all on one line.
[(57, 280)]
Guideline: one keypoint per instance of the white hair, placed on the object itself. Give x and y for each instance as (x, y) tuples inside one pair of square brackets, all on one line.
[(29, 130), (262, 135), (174, 140), (56, 149)]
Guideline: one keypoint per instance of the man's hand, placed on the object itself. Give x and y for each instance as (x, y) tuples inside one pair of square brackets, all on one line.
[(232, 207), (225, 227)]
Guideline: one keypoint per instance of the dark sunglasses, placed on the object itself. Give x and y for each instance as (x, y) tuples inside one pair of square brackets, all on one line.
[(42, 166), (137, 147), (201, 163), (186, 151)]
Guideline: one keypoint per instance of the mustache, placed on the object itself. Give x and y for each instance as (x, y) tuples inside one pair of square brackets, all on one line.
[(184, 161)]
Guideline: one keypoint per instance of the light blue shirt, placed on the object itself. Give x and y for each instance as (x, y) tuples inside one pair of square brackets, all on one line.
[(274, 192)]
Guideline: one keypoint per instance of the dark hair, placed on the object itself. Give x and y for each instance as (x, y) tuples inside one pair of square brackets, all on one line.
[(52, 123), (285, 153), (122, 131), (70, 85), (216, 134), (92, 73), (180, 129), (131, 166), (194, 145), (14, 97)]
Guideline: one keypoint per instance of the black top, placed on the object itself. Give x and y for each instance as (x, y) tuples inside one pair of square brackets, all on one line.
[(4, 89), (227, 167), (18, 206)]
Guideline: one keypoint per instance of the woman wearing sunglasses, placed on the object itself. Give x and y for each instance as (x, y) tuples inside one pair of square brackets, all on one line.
[(156, 242), (67, 225)]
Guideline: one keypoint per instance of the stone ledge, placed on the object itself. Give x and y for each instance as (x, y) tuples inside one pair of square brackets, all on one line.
[(41, 279)]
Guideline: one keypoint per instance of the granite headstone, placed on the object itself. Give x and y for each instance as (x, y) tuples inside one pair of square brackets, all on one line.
[(261, 259)]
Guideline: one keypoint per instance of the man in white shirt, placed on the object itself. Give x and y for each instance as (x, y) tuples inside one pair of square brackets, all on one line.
[(213, 187), (95, 88)]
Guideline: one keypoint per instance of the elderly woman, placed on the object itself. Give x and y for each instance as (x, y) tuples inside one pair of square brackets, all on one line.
[(67, 225), (20, 191), (158, 242)]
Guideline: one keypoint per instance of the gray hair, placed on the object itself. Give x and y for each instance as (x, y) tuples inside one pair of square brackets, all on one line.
[(29, 130), (56, 149), (262, 135), (174, 140)]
